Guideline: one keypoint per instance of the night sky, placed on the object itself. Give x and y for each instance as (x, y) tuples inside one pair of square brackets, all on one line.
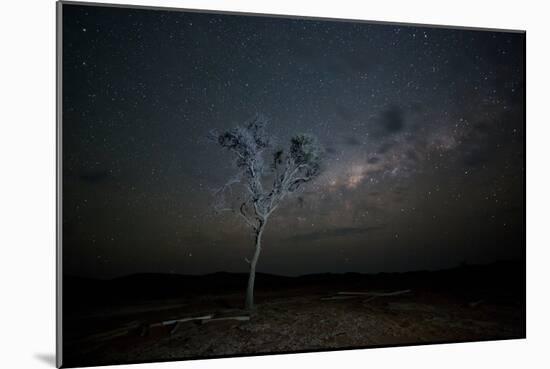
[(423, 130)]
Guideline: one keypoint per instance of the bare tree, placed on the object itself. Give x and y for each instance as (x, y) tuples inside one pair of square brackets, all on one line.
[(264, 177)]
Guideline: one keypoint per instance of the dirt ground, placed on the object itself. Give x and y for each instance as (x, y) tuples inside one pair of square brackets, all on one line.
[(296, 320)]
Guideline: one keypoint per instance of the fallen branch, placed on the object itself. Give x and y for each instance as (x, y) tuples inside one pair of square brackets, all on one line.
[(170, 322), (476, 303), (239, 318), (354, 295), (203, 319), (338, 298), (377, 294)]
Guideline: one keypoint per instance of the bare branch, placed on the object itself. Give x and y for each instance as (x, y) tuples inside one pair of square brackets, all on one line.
[(243, 214)]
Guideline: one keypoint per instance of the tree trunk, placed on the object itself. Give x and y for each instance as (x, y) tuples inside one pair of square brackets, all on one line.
[(249, 304)]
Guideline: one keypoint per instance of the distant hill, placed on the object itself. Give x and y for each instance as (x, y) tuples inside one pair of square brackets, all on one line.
[(501, 277)]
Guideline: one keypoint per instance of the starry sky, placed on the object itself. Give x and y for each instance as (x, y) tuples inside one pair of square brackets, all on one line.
[(423, 130)]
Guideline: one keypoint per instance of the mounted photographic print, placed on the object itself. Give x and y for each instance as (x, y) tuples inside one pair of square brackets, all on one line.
[(238, 184)]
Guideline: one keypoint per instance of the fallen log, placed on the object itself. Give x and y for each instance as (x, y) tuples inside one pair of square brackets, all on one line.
[(239, 318), (176, 323), (476, 303), (182, 320), (338, 298), (354, 295), (376, 294), (204, 321)]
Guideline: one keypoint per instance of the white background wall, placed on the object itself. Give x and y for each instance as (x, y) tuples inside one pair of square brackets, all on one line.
[(27, 180)]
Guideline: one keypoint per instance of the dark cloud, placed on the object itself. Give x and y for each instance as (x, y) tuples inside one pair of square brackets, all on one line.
[(344, 113), (476, 156), (373, 160), (352, 141), (476, 146), (399, 190), (330, 150), (332, 233), (412, 155), (385, 147), (482, 127), (392, 120)]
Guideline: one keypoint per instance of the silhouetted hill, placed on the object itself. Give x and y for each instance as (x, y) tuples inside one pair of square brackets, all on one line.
[(498, 280)]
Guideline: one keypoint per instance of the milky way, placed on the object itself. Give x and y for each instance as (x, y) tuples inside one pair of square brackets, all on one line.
[(423, 130)]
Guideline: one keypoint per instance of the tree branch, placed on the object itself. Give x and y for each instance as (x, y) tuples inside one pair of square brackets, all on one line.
[(245, 216)]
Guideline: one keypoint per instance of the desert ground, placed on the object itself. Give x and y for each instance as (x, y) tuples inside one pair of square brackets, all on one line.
[(309, 313)]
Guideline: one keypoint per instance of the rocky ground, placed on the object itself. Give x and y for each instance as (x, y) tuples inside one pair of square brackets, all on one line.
[(284, 321)]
